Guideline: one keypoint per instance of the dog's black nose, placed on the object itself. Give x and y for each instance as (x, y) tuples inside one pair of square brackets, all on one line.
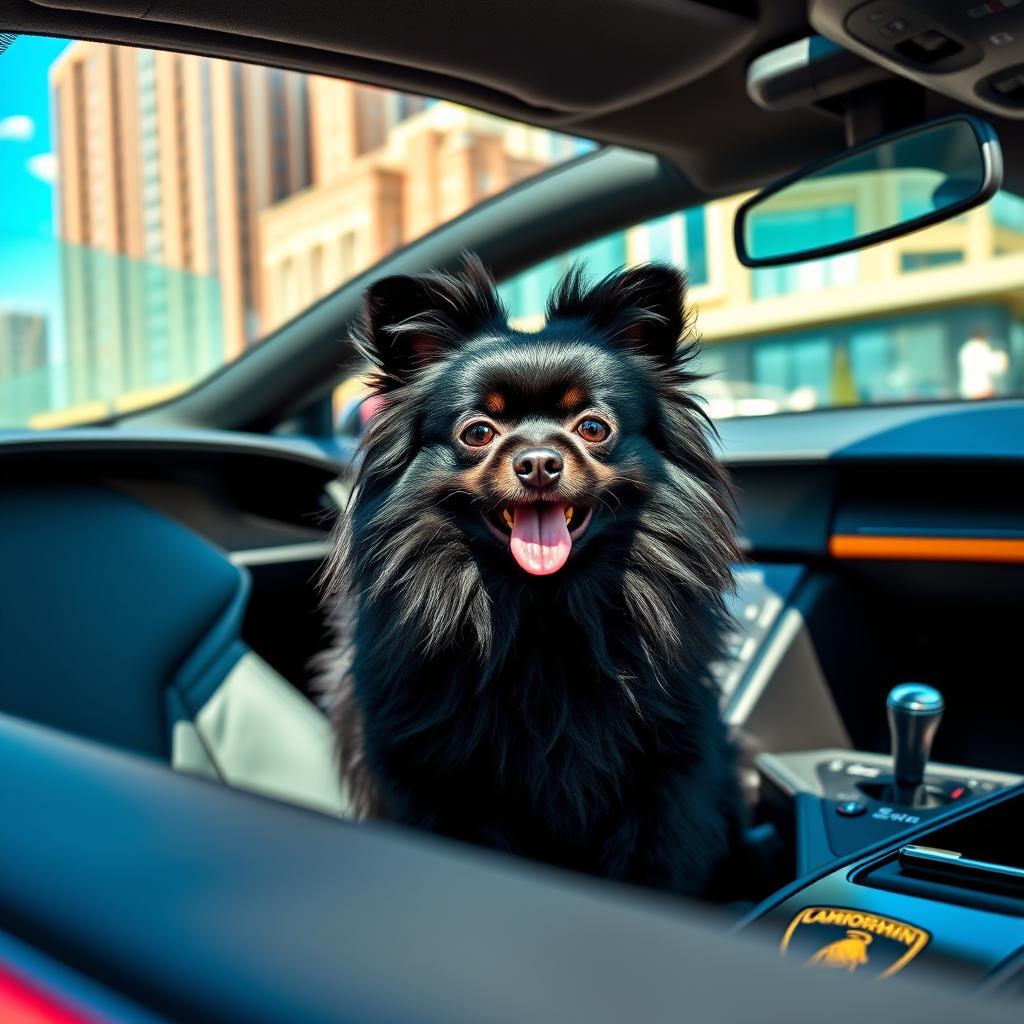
[(538, 467)]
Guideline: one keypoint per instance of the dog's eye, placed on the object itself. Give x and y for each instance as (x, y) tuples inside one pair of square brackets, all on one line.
[(592, 429), (477, 435)]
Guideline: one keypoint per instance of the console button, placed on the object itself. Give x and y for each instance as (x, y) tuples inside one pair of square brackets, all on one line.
[(929, 47), (851, 808)]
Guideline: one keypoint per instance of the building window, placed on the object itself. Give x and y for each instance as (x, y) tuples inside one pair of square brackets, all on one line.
[(290, 287), (680, 239), (347, 255), (526, 294), (1008, 211), (696, 256), (801, 367), (910, 261), (319, 283)]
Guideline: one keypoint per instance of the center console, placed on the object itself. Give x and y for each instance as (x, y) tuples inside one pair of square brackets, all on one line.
[(900, 862), (947, 895), (841, 801)]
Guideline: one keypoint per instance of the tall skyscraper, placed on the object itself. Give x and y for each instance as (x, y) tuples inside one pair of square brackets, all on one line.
[(164, 162)]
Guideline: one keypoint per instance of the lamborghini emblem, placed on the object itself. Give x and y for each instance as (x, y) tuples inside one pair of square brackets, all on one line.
[(853, 940), (846, 954)]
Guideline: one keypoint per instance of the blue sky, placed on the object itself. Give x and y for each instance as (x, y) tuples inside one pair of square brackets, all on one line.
[(29, 263), (25, 150)]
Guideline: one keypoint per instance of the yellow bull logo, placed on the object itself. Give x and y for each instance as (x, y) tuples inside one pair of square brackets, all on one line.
[(839, 937), (846, 954)]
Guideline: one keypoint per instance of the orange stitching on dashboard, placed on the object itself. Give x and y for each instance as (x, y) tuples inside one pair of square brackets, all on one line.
[(927, 549)]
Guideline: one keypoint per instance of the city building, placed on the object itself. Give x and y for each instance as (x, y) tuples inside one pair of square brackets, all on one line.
[(164, 162), (386, 172), (24, 357), (348, 120), (889, 323)]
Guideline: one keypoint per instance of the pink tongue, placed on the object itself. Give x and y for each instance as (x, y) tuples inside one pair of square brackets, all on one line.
[(540, 538)]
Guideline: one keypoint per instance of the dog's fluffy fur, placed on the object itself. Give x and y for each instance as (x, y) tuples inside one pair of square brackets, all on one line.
[(568, 717)]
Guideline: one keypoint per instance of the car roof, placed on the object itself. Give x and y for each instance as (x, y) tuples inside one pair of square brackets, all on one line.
[(665, 78)]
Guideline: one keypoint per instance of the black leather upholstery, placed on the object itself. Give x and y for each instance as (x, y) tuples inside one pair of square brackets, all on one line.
[(205, 904)]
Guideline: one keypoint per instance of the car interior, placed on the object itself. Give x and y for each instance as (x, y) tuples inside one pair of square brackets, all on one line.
[(178, 844)]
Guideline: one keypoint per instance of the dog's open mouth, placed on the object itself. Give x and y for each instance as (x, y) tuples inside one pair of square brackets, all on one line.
[(540, 535)]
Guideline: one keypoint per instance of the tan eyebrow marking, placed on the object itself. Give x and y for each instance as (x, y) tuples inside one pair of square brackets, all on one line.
[(494, 402), (572, 398)]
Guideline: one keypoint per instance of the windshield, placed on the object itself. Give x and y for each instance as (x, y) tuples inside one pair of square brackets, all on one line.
[(164, 212)]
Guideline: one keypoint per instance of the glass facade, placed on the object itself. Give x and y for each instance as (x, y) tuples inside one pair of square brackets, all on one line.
[(680, 238), (155, 325), (882, 360)]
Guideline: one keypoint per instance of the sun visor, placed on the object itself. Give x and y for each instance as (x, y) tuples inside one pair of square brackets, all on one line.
[(570, 57)]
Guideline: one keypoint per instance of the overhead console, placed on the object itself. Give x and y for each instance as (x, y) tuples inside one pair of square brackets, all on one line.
[(970, 50)]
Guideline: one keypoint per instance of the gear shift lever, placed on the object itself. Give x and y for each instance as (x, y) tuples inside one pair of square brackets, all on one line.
[(914, 710)]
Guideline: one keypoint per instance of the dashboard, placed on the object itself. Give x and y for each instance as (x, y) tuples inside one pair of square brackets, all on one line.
[(888, 550)]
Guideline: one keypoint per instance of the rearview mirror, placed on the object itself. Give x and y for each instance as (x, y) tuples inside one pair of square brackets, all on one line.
[(882, 189)]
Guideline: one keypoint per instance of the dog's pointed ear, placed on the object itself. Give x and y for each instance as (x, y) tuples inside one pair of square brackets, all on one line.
[(410, 322), (654, 309), (399, 332), (642, 308)]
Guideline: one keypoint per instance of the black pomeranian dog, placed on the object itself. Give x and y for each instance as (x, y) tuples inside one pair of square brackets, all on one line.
[(529, 580)]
